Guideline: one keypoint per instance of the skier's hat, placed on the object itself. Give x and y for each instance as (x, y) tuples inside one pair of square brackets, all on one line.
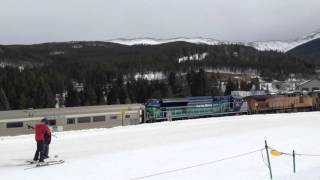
[(45, 120)]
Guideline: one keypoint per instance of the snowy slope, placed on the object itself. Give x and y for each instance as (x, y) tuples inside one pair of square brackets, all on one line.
[(194, 57), (282, 46), (136, 151), (151, 41)]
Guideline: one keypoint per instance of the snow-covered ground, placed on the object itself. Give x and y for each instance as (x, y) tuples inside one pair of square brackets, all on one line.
[(150, 76), (152, 41), (194, 57), (127, 153)]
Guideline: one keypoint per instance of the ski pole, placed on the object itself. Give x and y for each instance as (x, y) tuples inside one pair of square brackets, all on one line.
[(29, 126), (54, 136)]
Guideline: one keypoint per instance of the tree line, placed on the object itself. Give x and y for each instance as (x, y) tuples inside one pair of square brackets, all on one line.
[(46, 87)]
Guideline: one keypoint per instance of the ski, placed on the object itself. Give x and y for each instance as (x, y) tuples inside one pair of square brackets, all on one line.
[(48, 163), (30, 162)]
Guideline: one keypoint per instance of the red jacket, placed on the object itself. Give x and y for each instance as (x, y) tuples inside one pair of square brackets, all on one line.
[(41, 129), (47, 136)]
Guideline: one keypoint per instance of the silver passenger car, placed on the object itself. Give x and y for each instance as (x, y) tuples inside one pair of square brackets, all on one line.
[(74, 118)]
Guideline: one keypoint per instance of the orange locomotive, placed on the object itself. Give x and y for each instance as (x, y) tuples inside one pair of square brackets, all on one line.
[(283, 103)]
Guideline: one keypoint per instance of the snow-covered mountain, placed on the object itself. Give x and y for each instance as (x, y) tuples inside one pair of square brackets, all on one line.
[(152, 41), (282, 46)]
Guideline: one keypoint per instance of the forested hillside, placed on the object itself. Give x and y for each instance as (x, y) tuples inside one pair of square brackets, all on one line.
[(107, 72), (309, 50)]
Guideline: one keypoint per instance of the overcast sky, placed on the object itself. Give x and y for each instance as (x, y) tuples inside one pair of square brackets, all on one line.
[(35, 21)]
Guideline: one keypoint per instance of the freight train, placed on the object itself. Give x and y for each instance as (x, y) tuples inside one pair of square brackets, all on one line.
[(292, 102), (154, 110)]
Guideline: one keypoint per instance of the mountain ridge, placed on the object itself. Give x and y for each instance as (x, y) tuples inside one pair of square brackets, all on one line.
[(309, 50), (275, 45)]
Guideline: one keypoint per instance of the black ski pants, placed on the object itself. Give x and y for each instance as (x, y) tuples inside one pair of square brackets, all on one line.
[(39, 151), (46, 150)]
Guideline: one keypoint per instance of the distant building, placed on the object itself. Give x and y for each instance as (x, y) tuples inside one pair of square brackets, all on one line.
[(311, 85), (276, 87), (247, 93)]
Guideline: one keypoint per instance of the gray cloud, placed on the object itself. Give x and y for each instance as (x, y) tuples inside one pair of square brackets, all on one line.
[(34, 21)]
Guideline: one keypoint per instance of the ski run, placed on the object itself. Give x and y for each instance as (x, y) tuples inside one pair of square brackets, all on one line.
[(221, 148)]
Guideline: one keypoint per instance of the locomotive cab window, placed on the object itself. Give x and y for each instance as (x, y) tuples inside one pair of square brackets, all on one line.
[(15, 125), (127, 116)]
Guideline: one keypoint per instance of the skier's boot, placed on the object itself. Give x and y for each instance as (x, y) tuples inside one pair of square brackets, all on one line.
[(41, 163)]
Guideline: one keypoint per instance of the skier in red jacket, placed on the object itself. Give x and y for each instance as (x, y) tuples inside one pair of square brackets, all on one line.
[(40, 130)]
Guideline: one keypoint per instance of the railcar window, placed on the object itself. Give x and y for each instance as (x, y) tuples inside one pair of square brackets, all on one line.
[(15, 125), (52, 122), (99, 118), (113, 117), (127, 116), (84, 120), (71, 121)]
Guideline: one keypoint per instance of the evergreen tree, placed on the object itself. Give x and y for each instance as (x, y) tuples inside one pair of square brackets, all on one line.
[(122, 95), (100, 96), (172, 82), (90, 96), (199, 84), (22, 101), (4, 103), (113, 95), (202, 83), (73, 97), (255, 84), (230, 87), (128, 100)]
